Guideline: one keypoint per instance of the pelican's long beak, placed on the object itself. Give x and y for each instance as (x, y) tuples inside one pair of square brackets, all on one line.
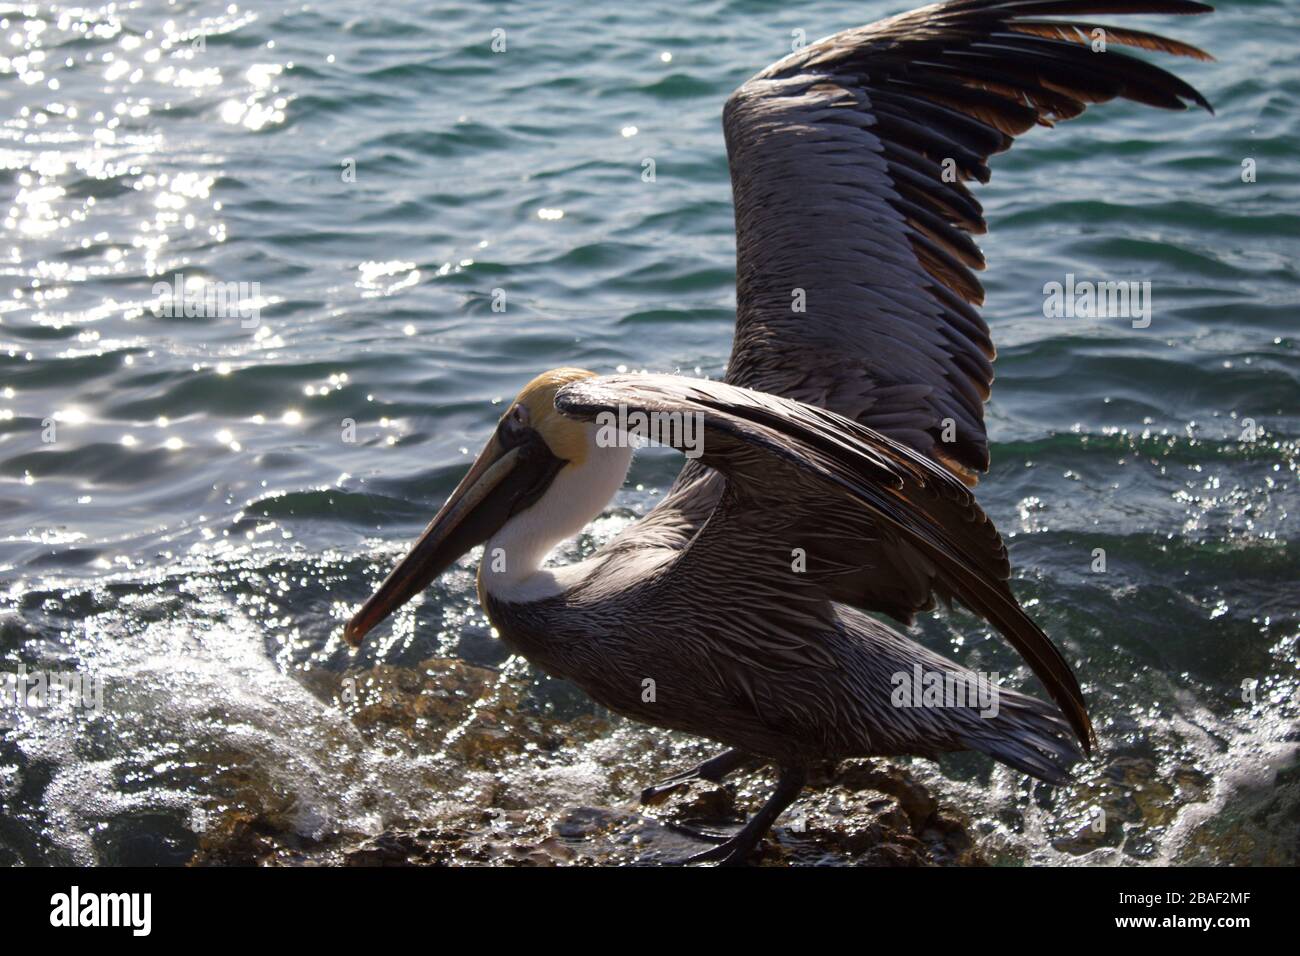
[(501, 482)]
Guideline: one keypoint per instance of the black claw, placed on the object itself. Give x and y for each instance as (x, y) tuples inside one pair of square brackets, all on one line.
[(698, 833), (656, 793), (734, 852), (713, 770)]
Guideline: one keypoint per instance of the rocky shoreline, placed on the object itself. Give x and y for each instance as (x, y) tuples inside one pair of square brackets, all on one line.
[(487, 728)]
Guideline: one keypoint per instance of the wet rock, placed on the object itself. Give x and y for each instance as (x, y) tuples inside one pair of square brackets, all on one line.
[(582, 823), (860, 826), (500, 760), (418, 702), (699, 800), (913, 799), (240, 839), (387, 849), (949, 841), (1248, 833)]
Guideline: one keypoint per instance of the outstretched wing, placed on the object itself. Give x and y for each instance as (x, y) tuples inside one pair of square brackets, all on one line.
[(801, 476), (848, 160)]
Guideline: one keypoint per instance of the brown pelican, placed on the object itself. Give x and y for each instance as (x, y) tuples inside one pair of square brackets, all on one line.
[(831, 469)]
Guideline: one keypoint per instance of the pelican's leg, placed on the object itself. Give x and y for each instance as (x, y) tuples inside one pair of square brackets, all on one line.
[(712, 770), (735, 850)]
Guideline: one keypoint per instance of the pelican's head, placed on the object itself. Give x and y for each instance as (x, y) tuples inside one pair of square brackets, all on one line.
[(535, 478)]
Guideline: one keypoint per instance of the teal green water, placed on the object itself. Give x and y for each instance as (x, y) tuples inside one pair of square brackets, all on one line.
[(196, 527)]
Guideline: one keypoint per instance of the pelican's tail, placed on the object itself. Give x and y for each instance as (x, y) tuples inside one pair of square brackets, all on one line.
[(918, 702), (1027, 734)]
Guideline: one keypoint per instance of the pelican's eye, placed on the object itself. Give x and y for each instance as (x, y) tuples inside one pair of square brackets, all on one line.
[(514, 427)]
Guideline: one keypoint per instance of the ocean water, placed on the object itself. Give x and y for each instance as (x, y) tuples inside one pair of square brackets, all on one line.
[(191, 506)]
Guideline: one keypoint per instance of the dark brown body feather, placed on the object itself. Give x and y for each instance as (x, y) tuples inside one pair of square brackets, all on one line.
[(756, 599)]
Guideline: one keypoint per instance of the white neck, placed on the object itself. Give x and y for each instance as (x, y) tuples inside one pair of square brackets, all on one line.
[(511, 569)]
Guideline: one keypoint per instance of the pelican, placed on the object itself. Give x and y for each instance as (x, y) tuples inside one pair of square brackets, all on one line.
[(829, 473)]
